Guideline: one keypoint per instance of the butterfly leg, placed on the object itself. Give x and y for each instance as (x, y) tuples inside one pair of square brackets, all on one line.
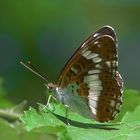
[(67, 113), (48, 102)]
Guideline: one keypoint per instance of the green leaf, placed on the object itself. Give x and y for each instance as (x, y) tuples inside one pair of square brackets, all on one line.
[(129, 96), (33, 119), (10, 131), (132, 117), (51, 123), (52, 120)]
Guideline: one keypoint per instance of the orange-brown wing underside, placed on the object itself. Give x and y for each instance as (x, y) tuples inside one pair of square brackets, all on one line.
[(93, 68)]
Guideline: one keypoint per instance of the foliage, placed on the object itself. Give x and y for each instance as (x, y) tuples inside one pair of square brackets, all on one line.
[(50, 123)]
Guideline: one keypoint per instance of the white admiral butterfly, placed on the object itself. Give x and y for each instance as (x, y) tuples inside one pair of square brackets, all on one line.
[(90, 84)]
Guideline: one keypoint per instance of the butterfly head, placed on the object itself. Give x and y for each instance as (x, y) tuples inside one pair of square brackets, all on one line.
[(50, 86)]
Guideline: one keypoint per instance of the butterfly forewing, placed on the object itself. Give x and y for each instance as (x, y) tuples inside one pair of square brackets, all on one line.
[(107, 30), (93, 68), (99, 54)]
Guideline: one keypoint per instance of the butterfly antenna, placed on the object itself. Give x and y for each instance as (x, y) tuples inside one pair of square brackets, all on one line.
[(30, 67)]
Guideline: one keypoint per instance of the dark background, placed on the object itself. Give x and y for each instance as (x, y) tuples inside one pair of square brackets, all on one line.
[(47, 32)]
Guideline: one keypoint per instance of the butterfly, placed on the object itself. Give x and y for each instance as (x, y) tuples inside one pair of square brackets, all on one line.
[(90, 83)]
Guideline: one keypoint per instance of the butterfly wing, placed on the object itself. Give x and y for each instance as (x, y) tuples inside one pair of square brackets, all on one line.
[(94, 69), (107, 30)]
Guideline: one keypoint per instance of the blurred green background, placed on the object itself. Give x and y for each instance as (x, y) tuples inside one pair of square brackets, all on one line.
[(47, 32)]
